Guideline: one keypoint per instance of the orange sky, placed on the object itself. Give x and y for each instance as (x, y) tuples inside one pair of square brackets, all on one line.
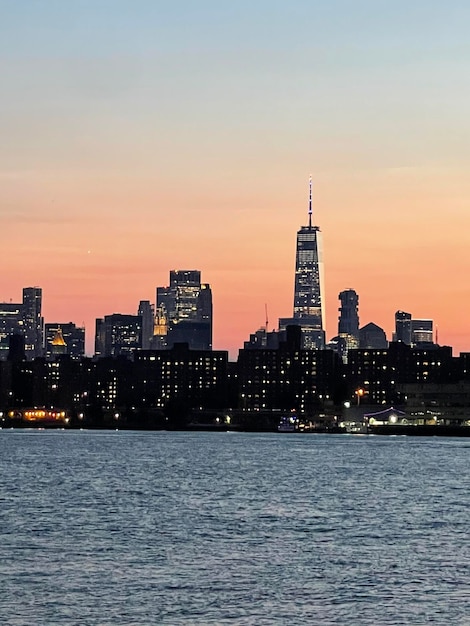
[(400, 243), (158, 147)]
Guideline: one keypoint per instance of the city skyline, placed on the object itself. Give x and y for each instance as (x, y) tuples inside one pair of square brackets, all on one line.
[(183, 138)]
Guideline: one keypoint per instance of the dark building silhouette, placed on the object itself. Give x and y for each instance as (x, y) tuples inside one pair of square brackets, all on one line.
[(100, 337), (380, 372), (16, 351), (146, 312), (287, 378), (403, 327), (372, 336), (348, 322), (264, 339), (192, 378)]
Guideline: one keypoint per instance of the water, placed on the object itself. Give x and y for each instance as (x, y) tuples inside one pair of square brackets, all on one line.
[(129, 528)]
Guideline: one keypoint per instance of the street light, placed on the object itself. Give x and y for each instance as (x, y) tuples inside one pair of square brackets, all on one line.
[(359, 393)]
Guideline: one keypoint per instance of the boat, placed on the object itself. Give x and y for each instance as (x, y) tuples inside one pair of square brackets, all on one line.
[(35, 418), (288, 424)]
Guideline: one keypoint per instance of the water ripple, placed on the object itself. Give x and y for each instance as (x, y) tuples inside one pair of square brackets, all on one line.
[(198, 529)]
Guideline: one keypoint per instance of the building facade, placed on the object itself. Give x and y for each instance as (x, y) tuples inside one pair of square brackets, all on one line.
[(186, 307), (309, 301), (24, 319), (118, 335), (33, 322), (403, 327), (422, 332), (11, 323), (348, 321), (373, 337), (72, 335)]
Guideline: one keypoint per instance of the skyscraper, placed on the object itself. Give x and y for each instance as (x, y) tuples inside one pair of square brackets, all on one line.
[(11, 323), (33, 321), (348, 323), (309, 303), (146, 312), (122, 334), (422, 332), (372, 337), (25, 319), (403, 327), (187, 307), (73, 337)]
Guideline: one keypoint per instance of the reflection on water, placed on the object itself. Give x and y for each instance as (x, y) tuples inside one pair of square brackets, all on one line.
[(130, 528)]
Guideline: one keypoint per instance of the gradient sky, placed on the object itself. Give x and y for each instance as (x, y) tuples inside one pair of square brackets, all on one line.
[(140, 136)]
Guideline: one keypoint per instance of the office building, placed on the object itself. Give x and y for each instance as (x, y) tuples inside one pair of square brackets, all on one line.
[(72, 336), (422, 332), (11, 323), (146, 312), (309, 302), (118, 335), (373, 337), (24, 319), (186, 307), (403, 327), (33, 322), (348, 322)]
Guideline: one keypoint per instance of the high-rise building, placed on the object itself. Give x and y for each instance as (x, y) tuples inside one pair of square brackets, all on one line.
[(373, 337), (348, 322), (11, 323), (33, 322), (422, 332), (309, 302), (122, 334), (413, 332), (118, 335), (25, 319), (147, 314), (186, 306), (403, 327), (72, 336), (99, 337)]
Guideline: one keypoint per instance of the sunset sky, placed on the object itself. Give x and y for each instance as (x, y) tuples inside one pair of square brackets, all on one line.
[(140, 136)]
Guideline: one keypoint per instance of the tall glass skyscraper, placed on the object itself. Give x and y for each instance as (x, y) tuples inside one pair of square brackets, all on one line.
[(187, 307), (403, 327), (33, 322), (309, 303)]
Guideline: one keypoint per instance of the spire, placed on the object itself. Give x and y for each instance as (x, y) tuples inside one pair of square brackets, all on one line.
[(310, 204), (58, 339)]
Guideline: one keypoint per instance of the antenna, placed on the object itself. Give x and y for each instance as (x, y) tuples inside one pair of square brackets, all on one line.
[(437, 335), (266, 314), (310, 203)]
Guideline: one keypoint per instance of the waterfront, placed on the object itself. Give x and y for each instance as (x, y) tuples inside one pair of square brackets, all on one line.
[(131, 528)]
